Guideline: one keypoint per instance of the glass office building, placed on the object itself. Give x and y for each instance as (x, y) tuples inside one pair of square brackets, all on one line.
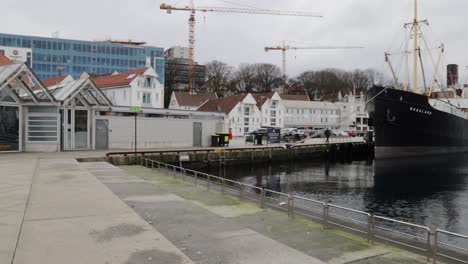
[(48, 56)]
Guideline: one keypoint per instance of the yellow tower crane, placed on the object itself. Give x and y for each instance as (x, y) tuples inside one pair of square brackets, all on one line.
[(285, 47), (192, 9)]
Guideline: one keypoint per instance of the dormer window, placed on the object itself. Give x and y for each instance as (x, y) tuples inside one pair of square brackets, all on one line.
[(273, 104)]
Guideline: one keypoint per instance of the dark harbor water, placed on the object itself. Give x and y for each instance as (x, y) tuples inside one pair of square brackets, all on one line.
[(430, 191)]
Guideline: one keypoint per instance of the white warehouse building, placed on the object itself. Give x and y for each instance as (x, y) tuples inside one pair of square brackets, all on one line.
[(311, 114)]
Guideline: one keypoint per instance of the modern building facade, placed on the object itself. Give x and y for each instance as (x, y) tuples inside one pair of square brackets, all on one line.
[(177, 52), (177, 69), (50, 56)]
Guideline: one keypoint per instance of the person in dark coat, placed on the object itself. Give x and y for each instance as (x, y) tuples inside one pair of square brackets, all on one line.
[(327, 135)]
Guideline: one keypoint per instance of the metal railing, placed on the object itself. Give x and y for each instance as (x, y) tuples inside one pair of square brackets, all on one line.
[(375, 228)]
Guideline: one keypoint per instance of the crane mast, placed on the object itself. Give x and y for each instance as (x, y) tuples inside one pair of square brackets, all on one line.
[(192, 9), (285, 47)]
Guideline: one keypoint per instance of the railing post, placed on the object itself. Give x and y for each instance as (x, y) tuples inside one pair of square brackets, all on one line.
[(174, 171), (152, 164), (240, 189), (370, 227), (291, 206), (222, 185), (196, 178), (208, 181), (325, 214), (262, 199), (434, 249)]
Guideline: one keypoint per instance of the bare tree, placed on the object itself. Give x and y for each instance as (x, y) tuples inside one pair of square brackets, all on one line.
[(244, 78), (267, 76), (217, 77)]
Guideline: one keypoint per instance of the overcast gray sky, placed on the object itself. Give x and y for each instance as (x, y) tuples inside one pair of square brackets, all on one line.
[(240, 38)]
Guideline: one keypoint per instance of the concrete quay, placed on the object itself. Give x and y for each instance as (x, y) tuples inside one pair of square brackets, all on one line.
[(54, 209), (214, 228)]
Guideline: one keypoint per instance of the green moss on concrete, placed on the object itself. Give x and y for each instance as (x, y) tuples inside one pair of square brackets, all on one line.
[(302, 234)]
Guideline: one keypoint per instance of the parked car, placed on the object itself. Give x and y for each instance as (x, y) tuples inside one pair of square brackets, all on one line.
[(351, 133)]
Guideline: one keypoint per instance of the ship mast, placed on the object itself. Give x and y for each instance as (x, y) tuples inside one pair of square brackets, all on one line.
[(416, 47)]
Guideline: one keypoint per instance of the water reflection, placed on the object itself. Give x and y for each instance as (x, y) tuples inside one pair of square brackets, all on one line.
[(431, 191)]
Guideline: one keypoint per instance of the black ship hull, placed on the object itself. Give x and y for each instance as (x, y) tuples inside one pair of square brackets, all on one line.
[(405, 124)]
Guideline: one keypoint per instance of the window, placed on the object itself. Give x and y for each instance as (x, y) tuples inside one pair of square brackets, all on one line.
[(148, 82), (42, 125), (147, 98), (274, 104), (246, 129), (246, 111)]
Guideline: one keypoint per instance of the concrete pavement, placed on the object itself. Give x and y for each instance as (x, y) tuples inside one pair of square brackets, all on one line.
[(213, 228), (70, 217), (205, 236)]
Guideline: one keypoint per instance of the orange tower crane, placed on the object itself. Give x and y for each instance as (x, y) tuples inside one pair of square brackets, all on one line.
[(192, 9), (285, 47)]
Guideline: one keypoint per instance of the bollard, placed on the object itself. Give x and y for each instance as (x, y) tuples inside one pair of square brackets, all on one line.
[(262, 200), (196, 178), (208, 181)]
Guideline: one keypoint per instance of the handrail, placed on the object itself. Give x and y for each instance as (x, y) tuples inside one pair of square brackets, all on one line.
[(431, 246)]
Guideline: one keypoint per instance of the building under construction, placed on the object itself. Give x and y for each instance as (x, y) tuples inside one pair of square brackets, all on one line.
[(177, 70)]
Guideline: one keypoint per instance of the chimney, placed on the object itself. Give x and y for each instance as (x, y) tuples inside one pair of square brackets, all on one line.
[(452, 75)]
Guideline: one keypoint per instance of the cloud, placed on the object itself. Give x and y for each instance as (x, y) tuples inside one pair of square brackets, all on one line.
[(241, 38)]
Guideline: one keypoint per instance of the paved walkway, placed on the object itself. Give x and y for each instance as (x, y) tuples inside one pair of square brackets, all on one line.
[(213, 228), (203, 235), (54, 211)]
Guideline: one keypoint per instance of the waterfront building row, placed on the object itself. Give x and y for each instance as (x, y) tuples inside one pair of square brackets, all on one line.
[(64, 113)]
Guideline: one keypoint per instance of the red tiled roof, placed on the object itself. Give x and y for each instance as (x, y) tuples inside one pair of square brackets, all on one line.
[(187, 99), (120, 79), (261, 98), (224, 105), (4, 60), (295, 97), (53, 81)]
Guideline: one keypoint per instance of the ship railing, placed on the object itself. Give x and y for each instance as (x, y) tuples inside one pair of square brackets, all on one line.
[(435, 244), (452, 109)]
